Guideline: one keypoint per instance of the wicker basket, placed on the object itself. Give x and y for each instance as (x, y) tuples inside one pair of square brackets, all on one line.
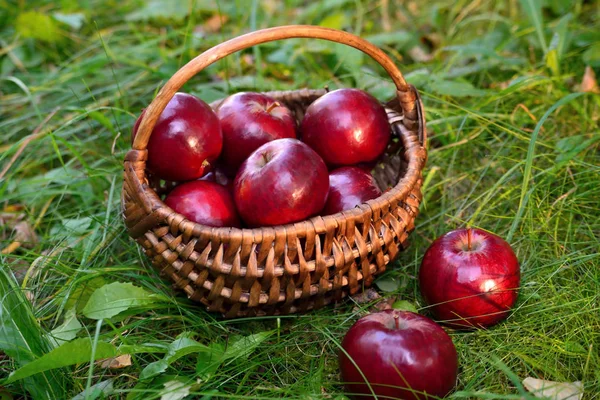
[(290, 268)]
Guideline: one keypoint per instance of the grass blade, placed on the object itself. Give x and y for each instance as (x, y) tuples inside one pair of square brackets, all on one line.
[(22, 339), (533, 9), (529, 161)]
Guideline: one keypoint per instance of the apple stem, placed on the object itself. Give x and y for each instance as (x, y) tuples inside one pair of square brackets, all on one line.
[(272, 106), (326, 87), (469, 238), (397, 321)]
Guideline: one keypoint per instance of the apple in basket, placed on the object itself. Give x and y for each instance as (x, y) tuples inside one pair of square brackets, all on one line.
[(204, 202), (470, 278), (349, 187), (283, 181), (186, 139), (248, 121), (346, 127), (395, 354)]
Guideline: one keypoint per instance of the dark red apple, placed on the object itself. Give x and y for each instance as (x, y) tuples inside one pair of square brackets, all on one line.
[(204, 202), (349, 187), (283, 181), (397, 354), (346, 127), (470, 278), (248, 121), (186, 139)]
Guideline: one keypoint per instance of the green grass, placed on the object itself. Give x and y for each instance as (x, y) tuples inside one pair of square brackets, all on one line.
[(512, 150)]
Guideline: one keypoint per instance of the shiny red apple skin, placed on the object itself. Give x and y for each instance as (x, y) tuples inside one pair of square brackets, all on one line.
[(248, 121), (417, 353), (349, 187), (470, 289), (283, 181), (346, 127), (186, 139), (204, 202)]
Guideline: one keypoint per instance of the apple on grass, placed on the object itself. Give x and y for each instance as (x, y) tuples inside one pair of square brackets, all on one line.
[(346, 127), (283, 181), (470, 278), (248, 121), (204, 202), (395, 354), (186, 139), (349, 187)]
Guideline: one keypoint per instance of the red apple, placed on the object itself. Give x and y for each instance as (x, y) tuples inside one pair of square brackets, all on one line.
[(185, 140), (248, 121), (397, 354), (204, 202), (283, 181), (349, 187), (346, 127), (470, 278)]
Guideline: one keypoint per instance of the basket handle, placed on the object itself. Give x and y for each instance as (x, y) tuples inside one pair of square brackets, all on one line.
[(405, 92)]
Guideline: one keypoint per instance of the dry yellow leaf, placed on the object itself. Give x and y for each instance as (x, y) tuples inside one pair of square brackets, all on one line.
[(214, 23), (589, 83), (121, 361), (554, 390)]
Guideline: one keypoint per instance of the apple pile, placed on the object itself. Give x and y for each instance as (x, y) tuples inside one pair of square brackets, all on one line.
[(249, 164), (469, 278)]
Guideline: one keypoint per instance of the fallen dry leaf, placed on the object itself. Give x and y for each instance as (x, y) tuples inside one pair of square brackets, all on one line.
[(21, 231), (384, 305), (369, 295), (419, 55), (366, 296), (589, 83), (413, 7), (554, 390), (121, 361), (25, 234), (270, 6), (213, 24)]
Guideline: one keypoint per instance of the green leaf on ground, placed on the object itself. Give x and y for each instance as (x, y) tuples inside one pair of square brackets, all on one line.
[(79, 297), (35, 25), (115, 298), (74, 21), (397, 39), (100, 390), (592, 56), (76, 352), (388, 284), (180, 347), (175, 390), (243, 346), (177, 9), (570, 146), (67, 331), (404, 305)]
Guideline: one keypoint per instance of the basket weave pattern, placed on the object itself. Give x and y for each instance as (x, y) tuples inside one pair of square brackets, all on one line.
[(290, 268)]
